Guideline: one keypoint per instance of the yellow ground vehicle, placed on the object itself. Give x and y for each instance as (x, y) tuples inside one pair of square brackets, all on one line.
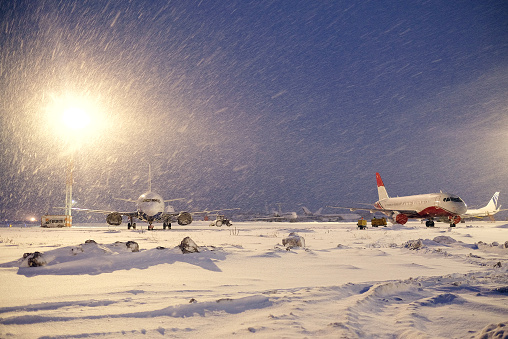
[(378, 222), (362, 224)]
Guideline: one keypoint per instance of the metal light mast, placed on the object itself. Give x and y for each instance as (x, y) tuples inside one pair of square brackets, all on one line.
[(68, 192)]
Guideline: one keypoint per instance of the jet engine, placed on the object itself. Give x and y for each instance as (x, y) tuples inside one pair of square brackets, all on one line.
[(184, 218), (114, 218), (399, 218)]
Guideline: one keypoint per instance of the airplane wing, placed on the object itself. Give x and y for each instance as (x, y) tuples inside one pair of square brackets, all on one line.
[(176, 199), (409, 213), (122, 199), (128, 214), (185, 218), (131, 200), (211, 211), (270, 218)]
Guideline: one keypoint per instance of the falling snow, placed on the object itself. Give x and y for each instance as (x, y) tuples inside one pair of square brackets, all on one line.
[(247, 104)]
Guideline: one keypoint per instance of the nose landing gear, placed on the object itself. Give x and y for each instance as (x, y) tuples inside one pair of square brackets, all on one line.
[(131, 224), (454, 220)]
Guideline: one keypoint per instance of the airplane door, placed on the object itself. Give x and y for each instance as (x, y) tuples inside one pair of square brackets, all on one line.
[(436, 201)]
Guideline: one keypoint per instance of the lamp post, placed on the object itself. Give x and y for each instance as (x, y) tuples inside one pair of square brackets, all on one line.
[(68, 191), (74, 118)]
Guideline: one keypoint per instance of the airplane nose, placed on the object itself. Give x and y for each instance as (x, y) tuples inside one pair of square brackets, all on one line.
[(461, 209), (457, 208), (149, 210)]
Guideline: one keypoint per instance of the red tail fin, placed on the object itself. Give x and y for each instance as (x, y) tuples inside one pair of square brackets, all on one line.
[(381, 189), (379, 181)]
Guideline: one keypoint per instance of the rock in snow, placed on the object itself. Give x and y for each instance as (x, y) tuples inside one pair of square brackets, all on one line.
[(33, 260), (494, 331), (133, 246), (414, 244), (188, 246), (444, 239), (293, 240)]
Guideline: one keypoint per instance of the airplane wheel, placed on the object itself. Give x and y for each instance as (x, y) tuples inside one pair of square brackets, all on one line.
[(169, 225), (452, 225), (164, 225), (129, 226), (134, 225), (429, 223)]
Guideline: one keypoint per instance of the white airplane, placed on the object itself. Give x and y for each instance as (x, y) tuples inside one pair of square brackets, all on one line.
[(487, 211), (433, 206), (328, 217), (150, 207), (280, 216)]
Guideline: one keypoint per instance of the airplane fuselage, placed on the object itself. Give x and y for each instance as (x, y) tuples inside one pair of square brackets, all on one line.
[(481, 212), (433, 205), (150, 206)]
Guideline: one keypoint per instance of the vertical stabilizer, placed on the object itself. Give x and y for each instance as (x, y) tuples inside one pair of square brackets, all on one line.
[(149, 178), (306, 211), (492, 205), (381, 190)]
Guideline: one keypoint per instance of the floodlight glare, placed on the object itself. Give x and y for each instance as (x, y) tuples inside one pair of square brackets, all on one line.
[(76, 118)]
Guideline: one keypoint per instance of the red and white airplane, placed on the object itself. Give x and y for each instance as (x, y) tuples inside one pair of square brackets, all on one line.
[(433, 206)]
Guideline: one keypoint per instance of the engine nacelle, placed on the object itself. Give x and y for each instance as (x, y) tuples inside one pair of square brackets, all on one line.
[(114, 218), (184, 218), (399, 218)]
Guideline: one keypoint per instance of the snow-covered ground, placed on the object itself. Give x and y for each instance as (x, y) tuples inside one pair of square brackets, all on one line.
[(345, 283)]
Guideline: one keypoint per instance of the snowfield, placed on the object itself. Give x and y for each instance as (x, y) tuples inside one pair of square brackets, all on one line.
[(387, 282)]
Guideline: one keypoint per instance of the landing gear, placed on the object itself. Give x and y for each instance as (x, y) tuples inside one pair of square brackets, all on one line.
[(131, 224), (429, 223), (150, 226), (454, 220), (166, 224)]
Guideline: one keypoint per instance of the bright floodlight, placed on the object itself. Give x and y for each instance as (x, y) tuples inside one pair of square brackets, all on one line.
[(76, 118)]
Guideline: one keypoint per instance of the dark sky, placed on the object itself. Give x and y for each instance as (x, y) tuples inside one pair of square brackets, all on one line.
[(252, 103)]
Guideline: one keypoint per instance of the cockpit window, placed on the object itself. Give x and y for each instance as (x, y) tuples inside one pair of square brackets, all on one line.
[(151, 200), (453, 199)]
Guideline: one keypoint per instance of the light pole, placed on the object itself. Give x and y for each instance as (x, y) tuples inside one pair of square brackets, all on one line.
[(74, 118), (68, 191)]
